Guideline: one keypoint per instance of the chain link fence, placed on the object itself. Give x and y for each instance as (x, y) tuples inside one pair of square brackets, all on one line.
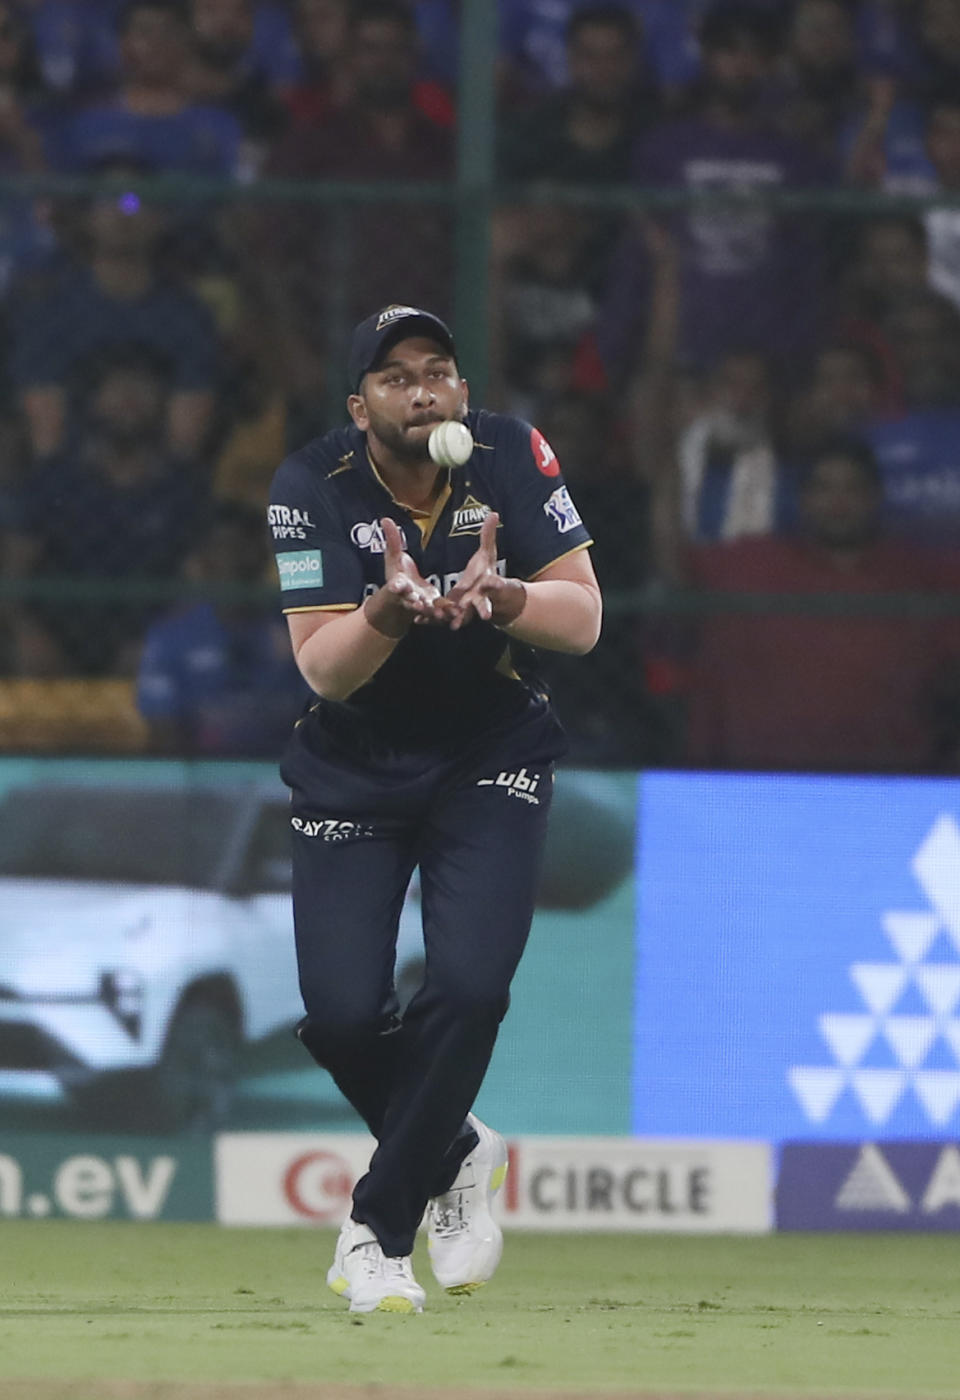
[(755, 400)]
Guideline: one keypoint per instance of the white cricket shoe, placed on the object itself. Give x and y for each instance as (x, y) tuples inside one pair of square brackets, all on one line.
[(371, 1280), (464, 1240)]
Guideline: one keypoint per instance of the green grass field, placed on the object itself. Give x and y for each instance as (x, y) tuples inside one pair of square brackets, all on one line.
[(796, 1315)]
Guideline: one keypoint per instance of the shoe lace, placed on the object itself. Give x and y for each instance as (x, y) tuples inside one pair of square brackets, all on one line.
[(398, 1268), (448, 1213), (367, 1257)]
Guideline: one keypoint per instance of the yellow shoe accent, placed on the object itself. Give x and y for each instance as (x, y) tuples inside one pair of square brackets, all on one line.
[(499, 1177), (464, 1289), (394, 1304), (339, 1285)]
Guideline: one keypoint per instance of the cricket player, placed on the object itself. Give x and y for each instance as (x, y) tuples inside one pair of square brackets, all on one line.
[(414, 590)]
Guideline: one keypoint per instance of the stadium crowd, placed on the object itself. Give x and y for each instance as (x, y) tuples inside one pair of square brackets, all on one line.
[(753, 384)]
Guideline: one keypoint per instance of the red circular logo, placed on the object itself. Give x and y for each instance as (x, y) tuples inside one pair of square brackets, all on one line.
[(543, 454), (318, 1185)]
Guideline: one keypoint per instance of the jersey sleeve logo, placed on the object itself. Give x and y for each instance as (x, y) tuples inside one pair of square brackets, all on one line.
[(368, 534), (302, 568), (561, 510), (289, 523), (543, 454)]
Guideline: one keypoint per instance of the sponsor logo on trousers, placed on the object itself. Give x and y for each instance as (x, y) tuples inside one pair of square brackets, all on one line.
[(520, 784), (329, 829)]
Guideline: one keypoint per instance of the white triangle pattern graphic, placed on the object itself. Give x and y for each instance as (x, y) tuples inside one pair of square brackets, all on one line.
[(910, 934), (849, 1035), (818, 1090), (910, 1038), (880, 984), (937, 868), (939, 1092), (940, 985)]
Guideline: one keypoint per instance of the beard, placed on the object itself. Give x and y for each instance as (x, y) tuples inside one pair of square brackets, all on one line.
[(405, 448), (396, 438)]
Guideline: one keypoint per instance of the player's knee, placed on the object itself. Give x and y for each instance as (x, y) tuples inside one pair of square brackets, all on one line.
[(473, 999), (329, 1028)]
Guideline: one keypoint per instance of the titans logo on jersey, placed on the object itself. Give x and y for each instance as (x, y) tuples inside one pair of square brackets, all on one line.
[(325, 510)]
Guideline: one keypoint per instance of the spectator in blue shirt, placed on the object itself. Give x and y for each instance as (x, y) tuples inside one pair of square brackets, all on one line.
[(223, 73), (218, 677), (114, 506), (151, 118), (114, 298)]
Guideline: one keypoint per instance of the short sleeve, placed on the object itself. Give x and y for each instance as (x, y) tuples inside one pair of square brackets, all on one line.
[(540, 520), (316, 564)]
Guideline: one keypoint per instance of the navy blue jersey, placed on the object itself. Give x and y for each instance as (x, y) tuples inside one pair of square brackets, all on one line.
[(438, 686)]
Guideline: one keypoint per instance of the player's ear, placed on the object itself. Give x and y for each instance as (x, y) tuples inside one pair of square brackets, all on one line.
[(465, 394), (357, 408)]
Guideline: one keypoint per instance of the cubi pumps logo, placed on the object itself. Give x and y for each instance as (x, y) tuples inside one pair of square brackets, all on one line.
[(908, 1007)]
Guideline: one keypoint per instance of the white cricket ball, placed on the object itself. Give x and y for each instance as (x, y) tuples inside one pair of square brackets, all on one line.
[(450, 444)]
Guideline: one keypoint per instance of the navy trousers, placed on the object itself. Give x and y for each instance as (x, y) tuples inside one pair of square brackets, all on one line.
[(475, 825)]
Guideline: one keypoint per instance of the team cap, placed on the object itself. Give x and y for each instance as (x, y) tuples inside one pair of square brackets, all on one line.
[(374, 336)]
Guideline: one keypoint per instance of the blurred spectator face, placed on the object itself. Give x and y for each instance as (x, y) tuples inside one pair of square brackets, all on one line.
[(235, 551), (153, 46), (843, 392), (893, 258), (12, 41), (840, 502), (602, 64), (128, 406), (123, 226), (736, 69), (554, 242), (223, 29), (940, 28), (740, 386), (821, 39), (383, 61), (322, 26), (924, 331), (943, 142)]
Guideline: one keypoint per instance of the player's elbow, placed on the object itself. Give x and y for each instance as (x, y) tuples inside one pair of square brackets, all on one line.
[(594, 622), (585, 633)]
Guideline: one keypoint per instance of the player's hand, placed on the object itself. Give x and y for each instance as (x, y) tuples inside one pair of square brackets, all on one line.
[(481, 591), (405, 596)]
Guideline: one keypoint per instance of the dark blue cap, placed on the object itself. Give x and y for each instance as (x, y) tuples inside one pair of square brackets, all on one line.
[(374, 336)]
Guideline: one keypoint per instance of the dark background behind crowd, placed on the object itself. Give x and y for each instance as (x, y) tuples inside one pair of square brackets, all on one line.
[(752, 380)]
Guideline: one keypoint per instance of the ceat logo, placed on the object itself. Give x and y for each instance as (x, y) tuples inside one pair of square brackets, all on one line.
[(543, 454), (318, 1185)]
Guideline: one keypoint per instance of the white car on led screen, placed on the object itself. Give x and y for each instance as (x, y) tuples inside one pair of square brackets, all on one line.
[(146, 938), (146, 946)]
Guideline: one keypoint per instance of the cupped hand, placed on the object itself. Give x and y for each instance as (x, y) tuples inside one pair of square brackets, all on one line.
[(481, 592)]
